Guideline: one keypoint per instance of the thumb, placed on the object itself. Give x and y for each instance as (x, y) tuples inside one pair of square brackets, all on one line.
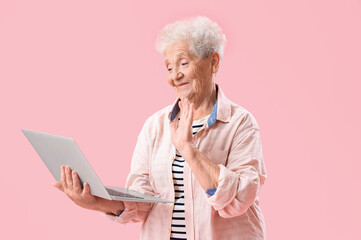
[(86, 189), (58, 185)]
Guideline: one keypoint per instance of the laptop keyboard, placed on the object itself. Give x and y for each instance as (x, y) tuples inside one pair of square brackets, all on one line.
[(120, 194)]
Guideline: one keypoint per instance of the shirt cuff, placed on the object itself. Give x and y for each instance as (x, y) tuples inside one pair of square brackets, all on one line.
[(211, 191), (227, 189), (119, 212), (123, 216)]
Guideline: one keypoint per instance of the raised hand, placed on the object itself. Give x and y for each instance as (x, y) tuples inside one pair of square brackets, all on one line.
[(181, 135)]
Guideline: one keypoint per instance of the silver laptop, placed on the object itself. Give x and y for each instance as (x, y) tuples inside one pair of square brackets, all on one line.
[(56, 151)]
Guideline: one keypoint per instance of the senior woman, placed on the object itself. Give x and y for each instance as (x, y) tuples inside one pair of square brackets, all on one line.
[(203, 152)]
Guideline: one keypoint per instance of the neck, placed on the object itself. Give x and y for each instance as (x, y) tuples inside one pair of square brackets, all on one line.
[(204, 106)]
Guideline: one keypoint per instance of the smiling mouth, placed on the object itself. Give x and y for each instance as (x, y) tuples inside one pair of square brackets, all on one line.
[(182, 84)]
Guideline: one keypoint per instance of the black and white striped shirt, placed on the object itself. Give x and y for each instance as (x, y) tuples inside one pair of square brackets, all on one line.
[(178, 231)]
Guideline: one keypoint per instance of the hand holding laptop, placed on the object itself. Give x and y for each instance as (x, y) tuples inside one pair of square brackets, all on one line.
[(70, 185), (58, 152)]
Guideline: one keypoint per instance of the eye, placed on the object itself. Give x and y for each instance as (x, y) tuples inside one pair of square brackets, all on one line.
[(184, 62), (169, 69)]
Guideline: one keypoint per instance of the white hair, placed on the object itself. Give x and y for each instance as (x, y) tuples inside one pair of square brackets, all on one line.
[(202, 35)]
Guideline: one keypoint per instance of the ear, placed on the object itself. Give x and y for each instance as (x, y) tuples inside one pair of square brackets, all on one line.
[(215, 62)]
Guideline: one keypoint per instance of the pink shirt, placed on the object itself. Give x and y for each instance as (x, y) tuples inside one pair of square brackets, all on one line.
[(231, 139)]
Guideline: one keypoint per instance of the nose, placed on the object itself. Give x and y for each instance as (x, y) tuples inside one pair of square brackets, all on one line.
[(176, 75)]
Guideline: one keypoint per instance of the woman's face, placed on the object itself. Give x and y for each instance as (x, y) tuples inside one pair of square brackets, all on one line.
[(190, 76)]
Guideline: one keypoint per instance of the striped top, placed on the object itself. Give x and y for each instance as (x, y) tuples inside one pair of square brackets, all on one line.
[(178, 231), (231, 140)]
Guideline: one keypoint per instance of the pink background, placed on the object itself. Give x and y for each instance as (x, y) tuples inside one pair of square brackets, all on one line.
[(88, 70)]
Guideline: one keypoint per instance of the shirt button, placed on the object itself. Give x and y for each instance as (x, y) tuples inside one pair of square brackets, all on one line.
[(171, 157), (171, 204), (168, 230), (170, 180)]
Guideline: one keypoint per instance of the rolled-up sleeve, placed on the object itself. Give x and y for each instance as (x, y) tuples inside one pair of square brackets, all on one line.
[(133, 212), (138, 180), (242, 177)]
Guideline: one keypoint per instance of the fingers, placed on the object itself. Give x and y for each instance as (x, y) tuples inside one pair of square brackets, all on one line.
[(186, 115), (191, 111), (184, 107), (181, 130), (187, 112), (63, 177), (70, 185), (76, 182), (188, 108), (69, 178)]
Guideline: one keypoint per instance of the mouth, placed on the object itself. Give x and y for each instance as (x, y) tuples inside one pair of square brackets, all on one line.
[(182, 84)]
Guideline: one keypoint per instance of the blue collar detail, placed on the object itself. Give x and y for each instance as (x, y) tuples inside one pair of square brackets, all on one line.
[(212, 118), (175, 111)]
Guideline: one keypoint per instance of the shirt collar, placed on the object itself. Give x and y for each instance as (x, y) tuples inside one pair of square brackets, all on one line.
[(221, 110)]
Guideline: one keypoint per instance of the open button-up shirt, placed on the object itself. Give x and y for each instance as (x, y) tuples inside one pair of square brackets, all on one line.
[(231, 139)]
